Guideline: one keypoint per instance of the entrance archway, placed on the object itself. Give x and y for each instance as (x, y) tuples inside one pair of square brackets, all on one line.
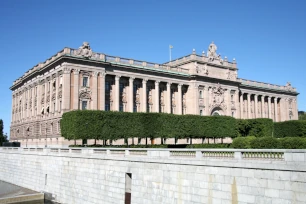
[(217, 112)]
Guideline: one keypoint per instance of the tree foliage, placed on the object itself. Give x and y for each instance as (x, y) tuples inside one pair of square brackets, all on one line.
[(3, 138), (293, 128), (259, 127)]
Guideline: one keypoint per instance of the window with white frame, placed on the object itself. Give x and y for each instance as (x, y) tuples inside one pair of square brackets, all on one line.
[(84, 105), (85, 81)]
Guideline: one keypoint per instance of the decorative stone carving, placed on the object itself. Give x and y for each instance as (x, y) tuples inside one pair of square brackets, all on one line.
[(60, 94), (162, 101), (137, 98), (173, 100), (53, 97), (288, 87), (84, 51), (201, 68), (231, 75), (67, 70), (150, 101), (212, 54), (217, 95), (124, 99), (43, 98), (85, 93)]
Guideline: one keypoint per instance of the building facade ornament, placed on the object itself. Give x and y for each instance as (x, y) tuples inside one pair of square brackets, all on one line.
[(212, 54), (84, 93), (84, 51)]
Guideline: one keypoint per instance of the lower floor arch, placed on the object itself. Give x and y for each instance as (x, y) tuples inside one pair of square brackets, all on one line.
[(217, 112)]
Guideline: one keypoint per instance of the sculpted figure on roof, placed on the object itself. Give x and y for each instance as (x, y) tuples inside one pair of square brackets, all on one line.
[(84, 50)]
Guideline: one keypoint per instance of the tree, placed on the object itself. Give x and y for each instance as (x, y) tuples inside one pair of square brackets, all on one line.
[(302, 116), (3, 138)]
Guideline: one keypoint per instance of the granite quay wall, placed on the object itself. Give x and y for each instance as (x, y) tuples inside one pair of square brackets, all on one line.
[(211, 176)]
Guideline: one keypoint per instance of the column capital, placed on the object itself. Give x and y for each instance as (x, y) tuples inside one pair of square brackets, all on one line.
[(180, 85), (131, 79), (145, 80), (117, 77), (157, 82), (67, 70), (169, 84), (76, 71), (95, 74), (102, 74), (248, 95)]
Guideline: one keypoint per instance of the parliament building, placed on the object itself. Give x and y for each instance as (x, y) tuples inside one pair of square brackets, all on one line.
[(73, 79)]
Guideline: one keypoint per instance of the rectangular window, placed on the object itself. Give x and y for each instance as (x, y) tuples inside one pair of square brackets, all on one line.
[(107, 107), (107, 86), (85, 81), (84, 105), (128, 188), (60, 106), (53, 107)]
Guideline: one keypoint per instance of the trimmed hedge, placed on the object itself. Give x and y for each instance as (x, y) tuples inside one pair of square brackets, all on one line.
[(259, 127), (269, 143), (293, 128), (108, 125), (207, 146)]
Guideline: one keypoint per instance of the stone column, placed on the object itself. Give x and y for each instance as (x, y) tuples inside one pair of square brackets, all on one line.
[(256, 105), (269, 107), (102, 90), (156, 99), (262, 106), (76, 80), (196, 98), (249, 105), (66, 90), (281, 108), (57, 84), (131, 95), (168, 98), (94, 89), (275, 110), (179, 99), (144, 95), (241, 106), (295, 109), (117, 93)]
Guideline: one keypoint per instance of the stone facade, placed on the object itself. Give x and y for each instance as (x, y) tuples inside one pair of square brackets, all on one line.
[(94, 176), (82, 79)]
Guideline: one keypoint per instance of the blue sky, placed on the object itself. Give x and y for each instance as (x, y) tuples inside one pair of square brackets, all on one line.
[(267, 38)]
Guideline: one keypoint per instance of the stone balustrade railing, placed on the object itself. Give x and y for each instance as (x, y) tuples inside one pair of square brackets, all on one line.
[(199, 58), (224, 154), (266, 85)]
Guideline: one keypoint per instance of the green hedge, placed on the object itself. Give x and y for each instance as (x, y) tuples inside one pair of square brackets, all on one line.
[(269, 143), (259, 127), (108, 125), (293, 128), (158, 146)]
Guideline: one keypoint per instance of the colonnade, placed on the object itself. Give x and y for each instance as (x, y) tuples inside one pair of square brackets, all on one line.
[(263, 106)]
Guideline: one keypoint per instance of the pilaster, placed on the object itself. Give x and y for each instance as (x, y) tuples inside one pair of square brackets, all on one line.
[(76, 80), (117, 93), (144, 95), (131, 94), (256, 105), (168, 98), (269, 107), (275, 110), (179, 99), (241, 106), (94, 89), (249, 105), (102, 90), (66, 90), (263, 106), (156, 101)]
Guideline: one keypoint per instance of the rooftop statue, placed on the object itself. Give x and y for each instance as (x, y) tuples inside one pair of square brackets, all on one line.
[(84, 50), (212, 53)]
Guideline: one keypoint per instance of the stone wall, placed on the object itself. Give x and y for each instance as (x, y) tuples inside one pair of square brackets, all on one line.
[(159, 175)]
